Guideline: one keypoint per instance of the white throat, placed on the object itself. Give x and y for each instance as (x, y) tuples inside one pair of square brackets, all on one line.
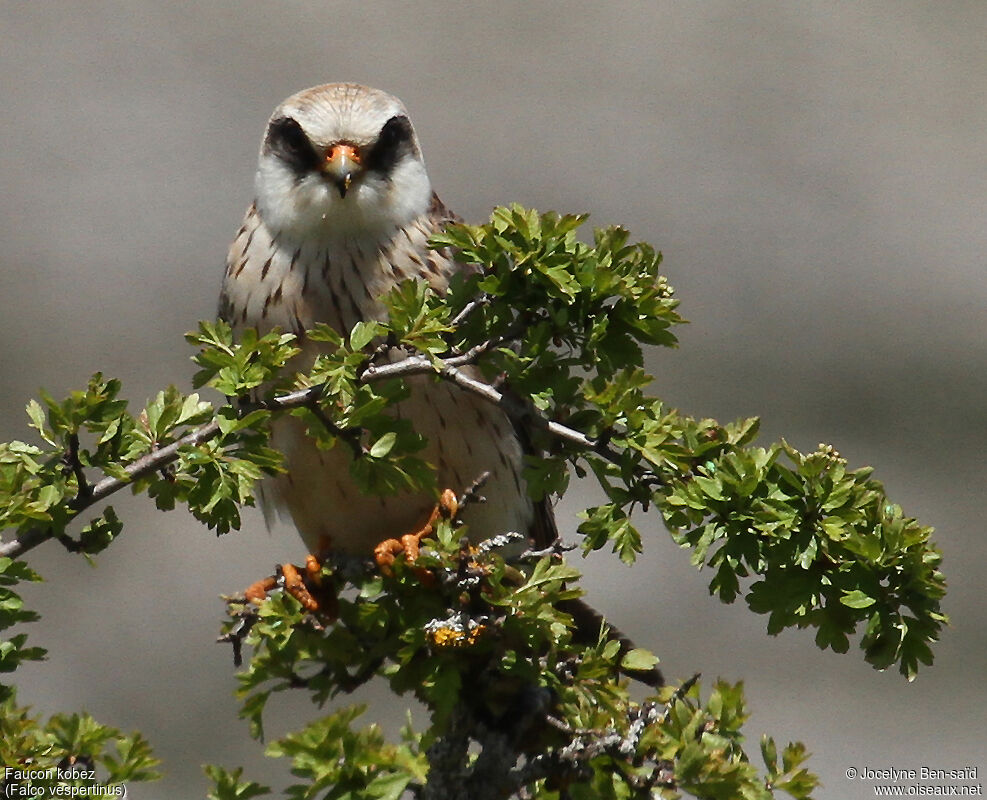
[(311, 209)]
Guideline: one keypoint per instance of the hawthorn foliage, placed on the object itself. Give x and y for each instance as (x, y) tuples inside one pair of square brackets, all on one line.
[(518, 706)]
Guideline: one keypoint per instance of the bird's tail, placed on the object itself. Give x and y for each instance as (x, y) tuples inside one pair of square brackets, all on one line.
[(589, 623)]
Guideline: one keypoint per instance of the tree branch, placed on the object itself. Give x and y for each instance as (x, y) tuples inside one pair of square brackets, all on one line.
[(449, 369)]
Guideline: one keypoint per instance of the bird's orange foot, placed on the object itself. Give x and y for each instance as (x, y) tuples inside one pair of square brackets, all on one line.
[(387, 551), (306, 584)]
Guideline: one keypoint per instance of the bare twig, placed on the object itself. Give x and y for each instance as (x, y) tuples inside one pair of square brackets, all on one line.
[(472, 493), (385, 347), (349, 435), (469, 308), (72, 458), (556, 548)]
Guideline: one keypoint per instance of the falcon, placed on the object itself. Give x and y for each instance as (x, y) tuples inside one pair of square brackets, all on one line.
[(342, 213)]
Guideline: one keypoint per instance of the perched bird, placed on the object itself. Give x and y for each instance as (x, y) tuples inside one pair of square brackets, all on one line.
[(342, 211)]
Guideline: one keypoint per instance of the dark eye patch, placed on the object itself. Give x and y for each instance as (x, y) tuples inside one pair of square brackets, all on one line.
[(286, 139), (395, 139)]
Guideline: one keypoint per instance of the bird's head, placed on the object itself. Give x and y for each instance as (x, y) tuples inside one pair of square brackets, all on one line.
[(340, 160)]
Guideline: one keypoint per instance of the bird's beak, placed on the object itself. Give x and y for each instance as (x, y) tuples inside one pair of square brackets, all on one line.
[(342, 162)]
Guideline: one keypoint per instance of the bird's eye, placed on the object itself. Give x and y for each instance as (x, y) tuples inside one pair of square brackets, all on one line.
[(394, 140), (287, 140)]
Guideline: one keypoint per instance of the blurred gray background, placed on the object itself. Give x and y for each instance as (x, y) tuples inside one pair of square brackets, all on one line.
[(815, 174)]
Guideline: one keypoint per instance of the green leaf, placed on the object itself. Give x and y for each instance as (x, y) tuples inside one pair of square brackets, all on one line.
[(639, 659), (38, 420), (383, 445), (770, 754), (857, 599), (228, 786), (99, 532), (364, 332)]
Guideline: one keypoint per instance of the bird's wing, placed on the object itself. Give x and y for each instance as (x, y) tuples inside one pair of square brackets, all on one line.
[(440, 213)]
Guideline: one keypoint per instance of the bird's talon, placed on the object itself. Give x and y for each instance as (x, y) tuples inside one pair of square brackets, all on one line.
[(256, 593), (302, 583), (387, 551), (294, 585), (313, 570), (411, 542), (448, 505)]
